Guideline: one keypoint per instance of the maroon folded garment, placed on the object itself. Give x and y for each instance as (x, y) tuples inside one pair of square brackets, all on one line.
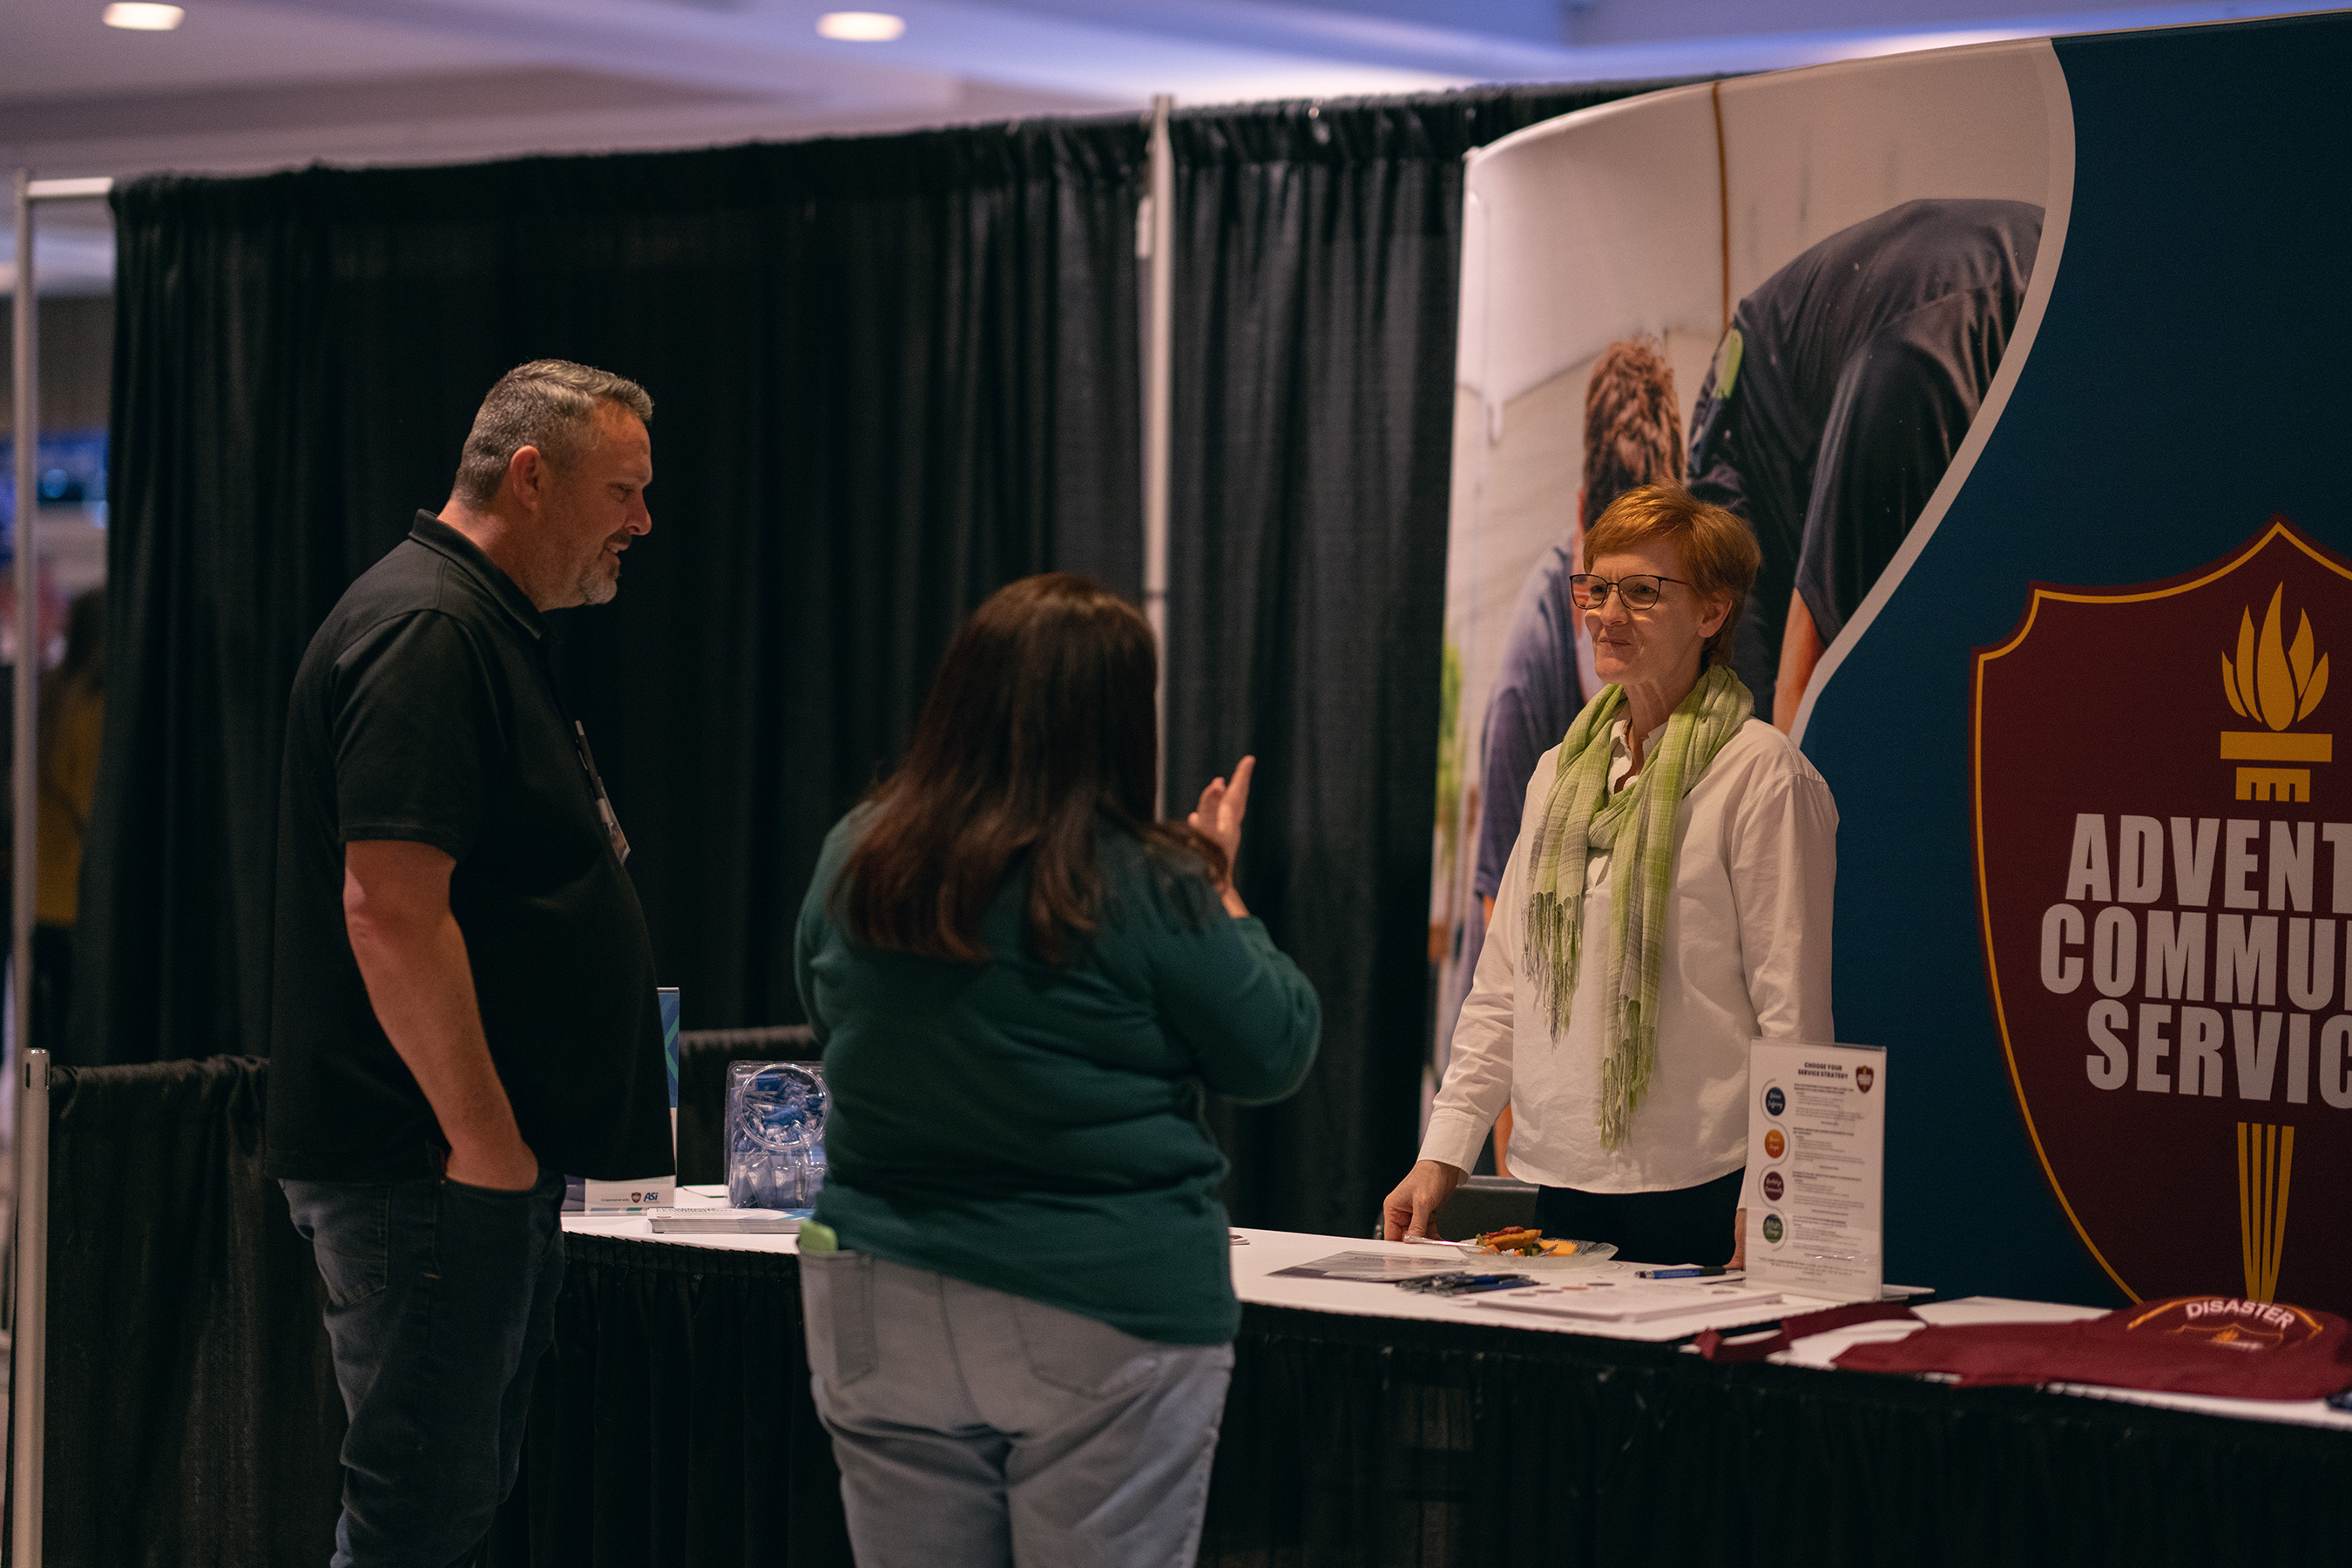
[(2191, 1344)]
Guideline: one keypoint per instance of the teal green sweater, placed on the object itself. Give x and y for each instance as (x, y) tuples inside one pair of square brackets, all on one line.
[(1037, 1128)]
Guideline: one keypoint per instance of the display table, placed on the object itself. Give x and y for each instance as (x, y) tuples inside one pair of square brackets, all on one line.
[(194, 1417), (1370, 1426)]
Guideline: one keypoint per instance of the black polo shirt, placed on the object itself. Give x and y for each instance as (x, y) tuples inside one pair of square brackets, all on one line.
[(425, 709)]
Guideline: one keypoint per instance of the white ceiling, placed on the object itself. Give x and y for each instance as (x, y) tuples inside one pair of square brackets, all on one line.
[(258, 84)]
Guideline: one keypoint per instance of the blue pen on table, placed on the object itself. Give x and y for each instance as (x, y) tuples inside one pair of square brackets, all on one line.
[(1682, 1273), (1459, 1283)]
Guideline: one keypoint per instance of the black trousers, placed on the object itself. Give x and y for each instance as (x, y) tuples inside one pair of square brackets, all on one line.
[(1688, 1224)]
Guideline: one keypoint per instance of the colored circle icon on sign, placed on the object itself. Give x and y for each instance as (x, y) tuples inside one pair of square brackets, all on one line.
[(1773, 1229), (1774, 1101), (1773, 1185), (1776, 1143)]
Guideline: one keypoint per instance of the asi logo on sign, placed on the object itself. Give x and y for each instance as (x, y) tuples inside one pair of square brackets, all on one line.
[(2164, 868)]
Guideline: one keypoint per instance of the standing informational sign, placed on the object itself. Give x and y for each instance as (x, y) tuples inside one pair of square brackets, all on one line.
[(1817, 1169), (2019, 361)]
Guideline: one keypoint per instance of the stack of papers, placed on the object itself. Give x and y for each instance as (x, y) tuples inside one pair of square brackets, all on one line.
[(1630, 1301)]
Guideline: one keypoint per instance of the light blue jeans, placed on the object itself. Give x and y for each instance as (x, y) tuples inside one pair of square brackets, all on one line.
[(977, 1429)]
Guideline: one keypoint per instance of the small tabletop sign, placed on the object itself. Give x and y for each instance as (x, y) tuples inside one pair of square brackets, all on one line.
[(1816, 1168)]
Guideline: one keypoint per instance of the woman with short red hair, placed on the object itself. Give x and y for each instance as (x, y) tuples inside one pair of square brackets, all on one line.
[(1668, 901)]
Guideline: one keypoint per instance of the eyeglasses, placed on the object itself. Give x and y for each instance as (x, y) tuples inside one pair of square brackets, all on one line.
[(1638, 592)]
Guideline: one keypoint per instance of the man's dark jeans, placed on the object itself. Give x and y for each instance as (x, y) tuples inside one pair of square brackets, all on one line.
[(440, 1301)]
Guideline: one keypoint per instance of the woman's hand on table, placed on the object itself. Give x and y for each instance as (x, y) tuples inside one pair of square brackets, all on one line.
[(1738, 1239), (1218, 818), (1417, 1198)]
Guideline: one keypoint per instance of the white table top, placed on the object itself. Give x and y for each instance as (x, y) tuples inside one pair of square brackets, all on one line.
[(1262, 1252), (1258, 1254)]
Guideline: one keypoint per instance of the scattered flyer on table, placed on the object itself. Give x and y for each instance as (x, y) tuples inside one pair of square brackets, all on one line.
[(1816, 1166)]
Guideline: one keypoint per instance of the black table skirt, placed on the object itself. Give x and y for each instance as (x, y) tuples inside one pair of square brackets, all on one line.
[(673, 1425)]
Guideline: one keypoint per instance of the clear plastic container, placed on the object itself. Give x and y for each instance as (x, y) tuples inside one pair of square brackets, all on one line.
[(775, 1134)]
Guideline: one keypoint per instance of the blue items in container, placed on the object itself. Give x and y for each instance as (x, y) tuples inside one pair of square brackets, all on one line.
[(775, 1134)]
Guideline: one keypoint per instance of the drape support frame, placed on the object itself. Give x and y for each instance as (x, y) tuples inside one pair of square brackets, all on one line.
[(28, 1385), (1157, 403), (29, 1347), (27, 386)]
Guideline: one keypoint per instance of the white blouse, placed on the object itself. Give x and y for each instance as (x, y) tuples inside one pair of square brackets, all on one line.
[(1747, 954)]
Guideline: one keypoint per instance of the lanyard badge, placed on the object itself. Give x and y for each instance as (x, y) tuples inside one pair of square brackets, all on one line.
[(620, 840)]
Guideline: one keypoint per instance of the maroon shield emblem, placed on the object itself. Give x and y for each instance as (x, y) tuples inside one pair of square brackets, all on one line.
[(2164, 895), (1863, 1077)]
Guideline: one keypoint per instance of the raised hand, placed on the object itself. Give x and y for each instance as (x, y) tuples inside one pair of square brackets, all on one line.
[(1223, 806), (1218, 818)]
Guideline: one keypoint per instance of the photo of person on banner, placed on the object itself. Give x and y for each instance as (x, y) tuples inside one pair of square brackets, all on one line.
[(1632, 437), (1847, 381)]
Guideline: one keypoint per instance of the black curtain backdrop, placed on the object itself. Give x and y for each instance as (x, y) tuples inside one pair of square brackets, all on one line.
[(890, 375), (1319, 258)]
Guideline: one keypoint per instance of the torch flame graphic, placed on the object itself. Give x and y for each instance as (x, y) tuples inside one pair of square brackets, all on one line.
[(2270, 681)]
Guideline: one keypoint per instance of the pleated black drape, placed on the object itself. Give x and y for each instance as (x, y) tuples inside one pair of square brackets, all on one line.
[(1318, 251), (890, 375), (193, 1415), (672, 1426)]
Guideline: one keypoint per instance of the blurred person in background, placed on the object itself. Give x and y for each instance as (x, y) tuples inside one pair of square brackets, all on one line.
[(72, 718), (1017, 1281)]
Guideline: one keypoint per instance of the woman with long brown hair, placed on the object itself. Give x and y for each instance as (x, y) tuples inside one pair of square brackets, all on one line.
[(1018, 1288)]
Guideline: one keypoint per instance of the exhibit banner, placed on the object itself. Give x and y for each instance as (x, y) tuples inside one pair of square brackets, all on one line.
[(2158, 887), (2017, 359), (1793, 292)]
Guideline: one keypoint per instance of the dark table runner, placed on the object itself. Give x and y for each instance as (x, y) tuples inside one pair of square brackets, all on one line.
[(194, 1418)]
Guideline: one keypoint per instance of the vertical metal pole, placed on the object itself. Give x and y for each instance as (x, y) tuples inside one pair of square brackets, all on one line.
[(1157, 403), (28, 1377), (29, 608), (29, 1345)]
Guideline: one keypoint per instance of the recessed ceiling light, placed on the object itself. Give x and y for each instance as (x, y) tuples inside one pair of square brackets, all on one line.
[(143, 18), (861, 27)]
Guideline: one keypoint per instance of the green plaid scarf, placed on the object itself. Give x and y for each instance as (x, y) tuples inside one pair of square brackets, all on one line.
[(1581, 817)]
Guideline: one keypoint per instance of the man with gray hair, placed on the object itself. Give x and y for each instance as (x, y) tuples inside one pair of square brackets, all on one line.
[(464, 1008)]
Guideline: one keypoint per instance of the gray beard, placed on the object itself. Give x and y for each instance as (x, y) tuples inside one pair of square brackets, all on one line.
[(594, 587)]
